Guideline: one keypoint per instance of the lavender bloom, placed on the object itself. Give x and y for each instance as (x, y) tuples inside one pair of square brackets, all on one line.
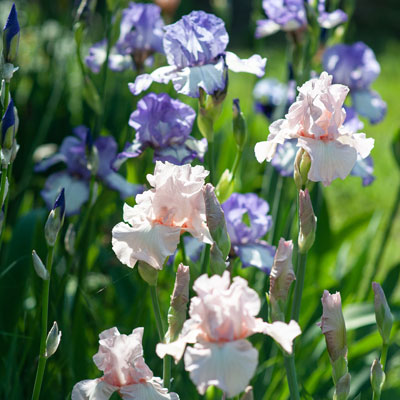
[(141, 34), (283, 160), (193, 250), (356, 67), (141, 31), (75, 179), (98, 54), (165, 125), (245, 237), (195, 49), (11, 34), (290, 15), (274, 98)]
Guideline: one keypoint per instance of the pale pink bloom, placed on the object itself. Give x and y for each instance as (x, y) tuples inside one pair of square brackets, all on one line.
[(153, 226), (222, 316), (333, 326), (316, 120), (120, 357)]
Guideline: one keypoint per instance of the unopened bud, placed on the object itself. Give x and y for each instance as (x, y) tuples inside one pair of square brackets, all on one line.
[(384, 318), (333, 326), (55, 219), (377, 377), (53, 340), (302, 165), (248, 394), (342, 388), (69, 239), (308, 222), (148, 273), (225, 186), (8, 127), (216, 220), (239, 125), (39, 266), (281, 277), (178, 305), (11, 32)]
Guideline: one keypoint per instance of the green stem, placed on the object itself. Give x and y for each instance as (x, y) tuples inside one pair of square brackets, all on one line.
[(45, 312), (210, 161), (4, 172), (6, 96), (182, 246), (206, 260), (291, 376), (161, 329), (275, 208), (385, 347), (5, 209), (376, 395), (298, 291), (236, 162)]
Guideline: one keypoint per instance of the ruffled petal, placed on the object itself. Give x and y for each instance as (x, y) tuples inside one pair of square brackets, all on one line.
[(151, 243), (358, 141), (76, 191), (330, 20), (329, 159), (283, 333), (266, 27), (160, 75), (210, 77), (92, 389), (259, 255), (229, 366), (150, 390), (253, 65), (369, 104)]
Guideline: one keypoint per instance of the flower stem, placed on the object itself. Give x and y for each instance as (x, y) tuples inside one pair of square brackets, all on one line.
[(236, 162), (298, 291), (291, 376), (4, 173), (45, 312), (206, 260), (182, 246), (161, 329), (210, 160), (385, 347), (6, 96)]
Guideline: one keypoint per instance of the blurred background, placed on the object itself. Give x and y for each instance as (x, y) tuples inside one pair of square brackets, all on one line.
[(48, 92)]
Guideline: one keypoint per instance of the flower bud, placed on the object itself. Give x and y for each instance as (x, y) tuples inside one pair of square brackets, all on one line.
[(11, 36), (53, 340), (55, 219), (39, 266), (216, 220), (8, 127), (377, 377), (342, 387), (384, 318), (302, 165), (281, 277), (178, 305), (333, 326), (225, 186), (308, 222), (248, 394), (239, 125), (148, 273)]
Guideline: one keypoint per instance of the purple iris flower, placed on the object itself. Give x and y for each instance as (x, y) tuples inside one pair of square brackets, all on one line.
[(274, 98), (141, 33), (290, 15), (247, 222), (193, 250), (356, 67), (195, 50), (164, 124), (75, 179)]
